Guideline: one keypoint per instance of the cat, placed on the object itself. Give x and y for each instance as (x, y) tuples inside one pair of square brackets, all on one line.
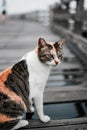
[(23, 84)]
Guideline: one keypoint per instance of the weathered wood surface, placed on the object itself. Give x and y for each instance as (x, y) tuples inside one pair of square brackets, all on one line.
[(18, 37), (65, 94), (65, 124)]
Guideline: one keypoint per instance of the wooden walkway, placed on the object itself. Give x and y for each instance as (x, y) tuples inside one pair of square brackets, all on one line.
[(67, 82)]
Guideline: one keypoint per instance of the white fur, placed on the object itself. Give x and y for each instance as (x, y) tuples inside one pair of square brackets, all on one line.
[(20, 124), (38, 75)]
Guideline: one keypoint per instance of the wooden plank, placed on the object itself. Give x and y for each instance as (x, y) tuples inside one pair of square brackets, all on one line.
[(65, 94), (66, 88), (69, 127), (76, 79), (68, 72), (62, 16), (85, 16), (65, 123)]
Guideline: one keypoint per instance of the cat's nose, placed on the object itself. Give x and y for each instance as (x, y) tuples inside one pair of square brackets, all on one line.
[(56, 62)]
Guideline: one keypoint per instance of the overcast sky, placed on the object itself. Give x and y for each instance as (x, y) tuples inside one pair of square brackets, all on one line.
[(21, 6)]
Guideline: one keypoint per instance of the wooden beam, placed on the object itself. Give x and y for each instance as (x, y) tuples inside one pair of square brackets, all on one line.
[(65, 94), (79, 16), (64, 124)]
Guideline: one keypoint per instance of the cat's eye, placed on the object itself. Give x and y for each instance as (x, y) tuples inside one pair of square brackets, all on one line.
[(49, 56), (60, 56), (50, 47)]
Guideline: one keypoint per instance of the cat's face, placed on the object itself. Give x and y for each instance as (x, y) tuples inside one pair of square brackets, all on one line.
[(50, 53)]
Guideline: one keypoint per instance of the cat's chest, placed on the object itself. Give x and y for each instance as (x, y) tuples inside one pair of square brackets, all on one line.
[(38, 78), (38, 73)]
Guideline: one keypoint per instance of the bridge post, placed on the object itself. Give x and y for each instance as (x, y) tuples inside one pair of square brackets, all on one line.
[(79, 16)]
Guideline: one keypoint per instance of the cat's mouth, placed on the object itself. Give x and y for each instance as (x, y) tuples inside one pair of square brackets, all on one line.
[(53, 63), (56, 64)]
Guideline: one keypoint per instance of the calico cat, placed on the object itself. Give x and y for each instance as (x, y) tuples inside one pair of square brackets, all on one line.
[(23, 84)]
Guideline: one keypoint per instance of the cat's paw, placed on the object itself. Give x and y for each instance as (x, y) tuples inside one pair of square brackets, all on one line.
[(45, 118), (32, 109), (21, 123)]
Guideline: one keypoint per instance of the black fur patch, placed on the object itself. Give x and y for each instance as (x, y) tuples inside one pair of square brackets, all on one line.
[(44, 53), (9, 107), (3, 97), (29, 115), (17, 81), (8, 125)]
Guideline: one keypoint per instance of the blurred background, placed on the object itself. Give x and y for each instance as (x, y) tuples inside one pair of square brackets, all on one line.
[(22, 22), (72, 13)]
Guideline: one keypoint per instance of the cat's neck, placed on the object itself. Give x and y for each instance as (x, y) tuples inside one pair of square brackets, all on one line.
[(33, 60), (38, 71)]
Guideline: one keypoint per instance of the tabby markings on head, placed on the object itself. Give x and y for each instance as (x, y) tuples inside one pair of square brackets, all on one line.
[(49, 52)]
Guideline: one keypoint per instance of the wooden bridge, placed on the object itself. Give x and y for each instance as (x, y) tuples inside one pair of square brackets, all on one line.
[(67, 82)]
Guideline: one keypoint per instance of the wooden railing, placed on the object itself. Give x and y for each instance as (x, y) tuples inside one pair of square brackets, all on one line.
[(75, 42)]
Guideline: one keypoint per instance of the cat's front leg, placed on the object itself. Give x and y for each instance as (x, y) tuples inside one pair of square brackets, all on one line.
[(31, 105), (38, 101), (30, 111)]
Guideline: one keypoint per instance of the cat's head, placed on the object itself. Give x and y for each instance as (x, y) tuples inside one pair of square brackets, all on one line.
[(50, 53)]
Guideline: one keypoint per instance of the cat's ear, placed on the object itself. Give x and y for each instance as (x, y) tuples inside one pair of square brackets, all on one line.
[(41, 43), (58, 45)]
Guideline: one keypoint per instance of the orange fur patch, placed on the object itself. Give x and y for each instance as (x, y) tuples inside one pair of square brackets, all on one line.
[(13, 96), (4, 75), (4, 118)]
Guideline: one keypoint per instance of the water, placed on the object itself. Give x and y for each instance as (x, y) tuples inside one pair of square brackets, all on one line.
[(65, 110)]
